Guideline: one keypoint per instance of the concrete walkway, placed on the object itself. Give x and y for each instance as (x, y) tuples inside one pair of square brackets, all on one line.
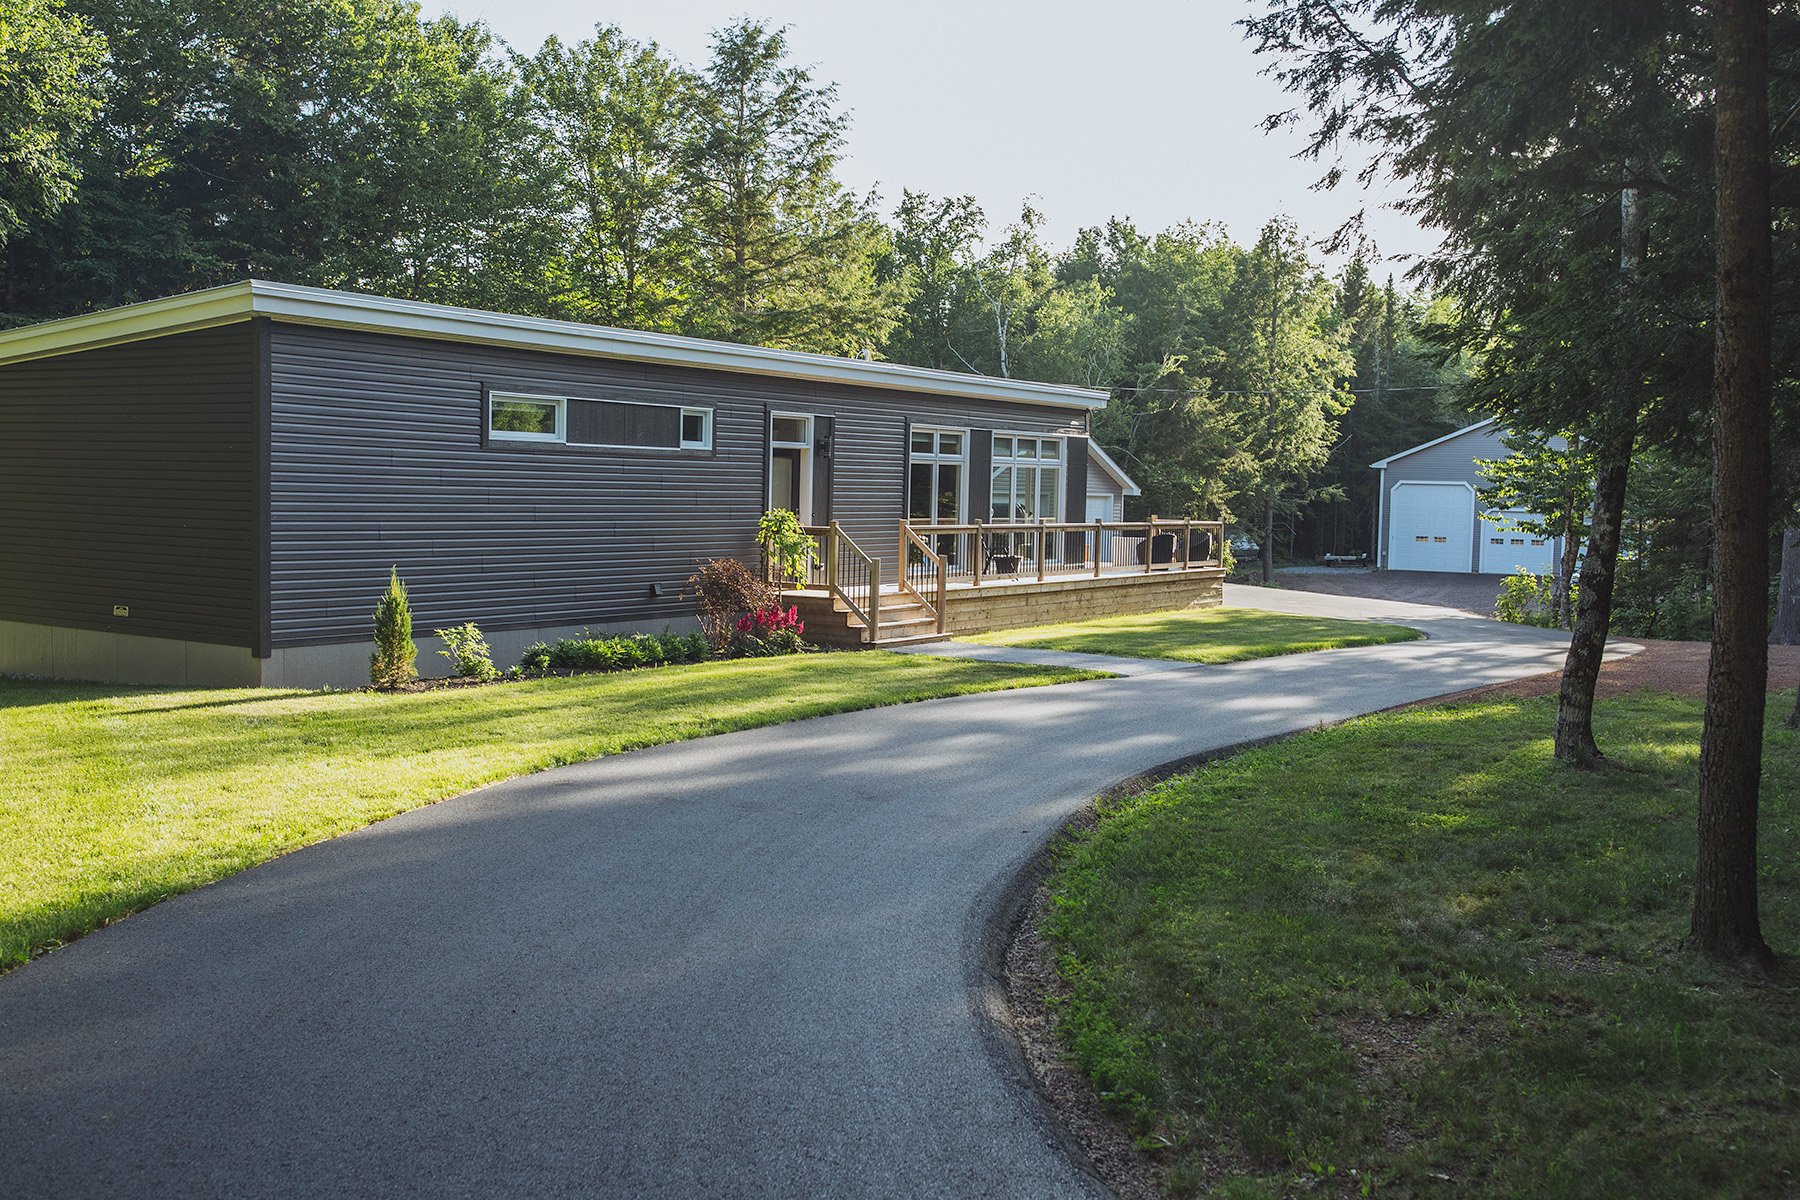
[(755, 965)]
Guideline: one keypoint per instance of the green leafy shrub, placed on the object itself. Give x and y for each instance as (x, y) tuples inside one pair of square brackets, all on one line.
[(391, 665), (468, 649), (624, 653), (1526, 599), (725, 590), (1677, 606), (789, 546)]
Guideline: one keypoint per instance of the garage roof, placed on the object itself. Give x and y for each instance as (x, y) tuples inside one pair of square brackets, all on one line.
[(1435, 441)]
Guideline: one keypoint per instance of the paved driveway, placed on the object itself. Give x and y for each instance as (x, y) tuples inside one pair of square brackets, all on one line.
[(1473, 593), (755, 965)]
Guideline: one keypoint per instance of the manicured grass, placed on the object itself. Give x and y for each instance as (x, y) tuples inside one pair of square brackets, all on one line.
[(114, 798), (1414, 956), (1203, 635)]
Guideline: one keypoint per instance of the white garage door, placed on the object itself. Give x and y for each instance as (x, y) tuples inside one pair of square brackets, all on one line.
[(1504, 551), (1430, 527)]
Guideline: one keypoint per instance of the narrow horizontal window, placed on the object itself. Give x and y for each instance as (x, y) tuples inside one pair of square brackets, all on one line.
[(526, 418)]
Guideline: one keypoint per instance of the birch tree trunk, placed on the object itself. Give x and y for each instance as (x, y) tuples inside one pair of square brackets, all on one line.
[(1565, 571), (1725, 921), (1593, 607), (1612, 468)]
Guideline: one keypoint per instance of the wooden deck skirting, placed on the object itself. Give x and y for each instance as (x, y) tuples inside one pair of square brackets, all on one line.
[(1011, 604)]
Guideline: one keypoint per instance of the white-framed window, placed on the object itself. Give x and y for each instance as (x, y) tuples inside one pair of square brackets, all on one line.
[(937, 483), (696, 429), (518, 417), (1027, 478), (587, 422), (791, 463)]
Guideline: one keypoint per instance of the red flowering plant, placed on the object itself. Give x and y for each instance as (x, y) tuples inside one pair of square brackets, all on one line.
[(767, 631)]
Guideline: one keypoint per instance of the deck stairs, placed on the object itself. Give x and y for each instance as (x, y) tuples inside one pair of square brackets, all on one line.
[(829, 621)]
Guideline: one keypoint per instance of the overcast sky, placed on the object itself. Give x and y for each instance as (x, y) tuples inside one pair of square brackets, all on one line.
[(1140, 108)]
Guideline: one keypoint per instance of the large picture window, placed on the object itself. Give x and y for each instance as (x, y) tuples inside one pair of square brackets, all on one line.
[(935, 485), (1027, 478)]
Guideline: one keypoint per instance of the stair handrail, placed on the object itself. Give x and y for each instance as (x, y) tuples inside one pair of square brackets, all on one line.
[(841, 551), (932, 598)]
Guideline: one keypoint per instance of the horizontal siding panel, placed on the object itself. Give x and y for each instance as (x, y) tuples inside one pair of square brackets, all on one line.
[(128, 477), (377, 461)]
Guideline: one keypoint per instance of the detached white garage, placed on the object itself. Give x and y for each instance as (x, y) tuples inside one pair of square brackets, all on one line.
[(1429, 518)]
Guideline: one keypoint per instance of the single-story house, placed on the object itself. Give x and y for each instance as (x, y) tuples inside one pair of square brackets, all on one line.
[(1429, 518), (210, 489)]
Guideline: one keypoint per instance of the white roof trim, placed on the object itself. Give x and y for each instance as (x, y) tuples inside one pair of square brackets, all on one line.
[(1114, 469), (1435, 442), (411, 318)]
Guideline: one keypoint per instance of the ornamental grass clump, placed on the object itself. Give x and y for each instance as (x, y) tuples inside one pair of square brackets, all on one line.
[(391, 666)]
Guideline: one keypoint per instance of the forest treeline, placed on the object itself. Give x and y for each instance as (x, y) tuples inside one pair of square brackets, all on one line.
[(159, 146), (355, 144)]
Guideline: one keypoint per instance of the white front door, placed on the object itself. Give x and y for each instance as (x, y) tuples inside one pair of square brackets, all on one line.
[(1430, 527), (1100, 508)]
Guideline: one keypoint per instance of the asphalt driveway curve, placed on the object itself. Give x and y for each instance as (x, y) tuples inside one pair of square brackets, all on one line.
[(753, 965)]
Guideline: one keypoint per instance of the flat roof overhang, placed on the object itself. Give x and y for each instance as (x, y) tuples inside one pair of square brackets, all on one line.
[(323, 307)]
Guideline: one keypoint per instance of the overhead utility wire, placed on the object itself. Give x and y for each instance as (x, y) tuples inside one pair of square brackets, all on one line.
[(1279, 391)]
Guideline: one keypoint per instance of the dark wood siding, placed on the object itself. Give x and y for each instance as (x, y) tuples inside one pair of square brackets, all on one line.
[(378, 460), (128, 476)]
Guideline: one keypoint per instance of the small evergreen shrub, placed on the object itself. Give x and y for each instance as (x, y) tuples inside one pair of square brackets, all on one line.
[(391, 665), (627, 653), (766, 632), (464, 646)]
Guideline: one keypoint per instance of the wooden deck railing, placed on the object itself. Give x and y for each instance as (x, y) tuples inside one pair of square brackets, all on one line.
[(932, 557), (990, 551)]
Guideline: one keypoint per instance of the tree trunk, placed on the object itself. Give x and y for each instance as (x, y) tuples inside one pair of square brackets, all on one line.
[(1787, 605), (1787, 609), (1268, 541), (1725, 921), (1593, 607)]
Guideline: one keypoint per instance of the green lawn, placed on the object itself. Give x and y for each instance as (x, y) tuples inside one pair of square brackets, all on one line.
[(1414, 956), (113, 798), (1204, 635)]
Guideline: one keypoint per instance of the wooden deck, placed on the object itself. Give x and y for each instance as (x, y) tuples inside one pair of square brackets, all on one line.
[(1005, 603)]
